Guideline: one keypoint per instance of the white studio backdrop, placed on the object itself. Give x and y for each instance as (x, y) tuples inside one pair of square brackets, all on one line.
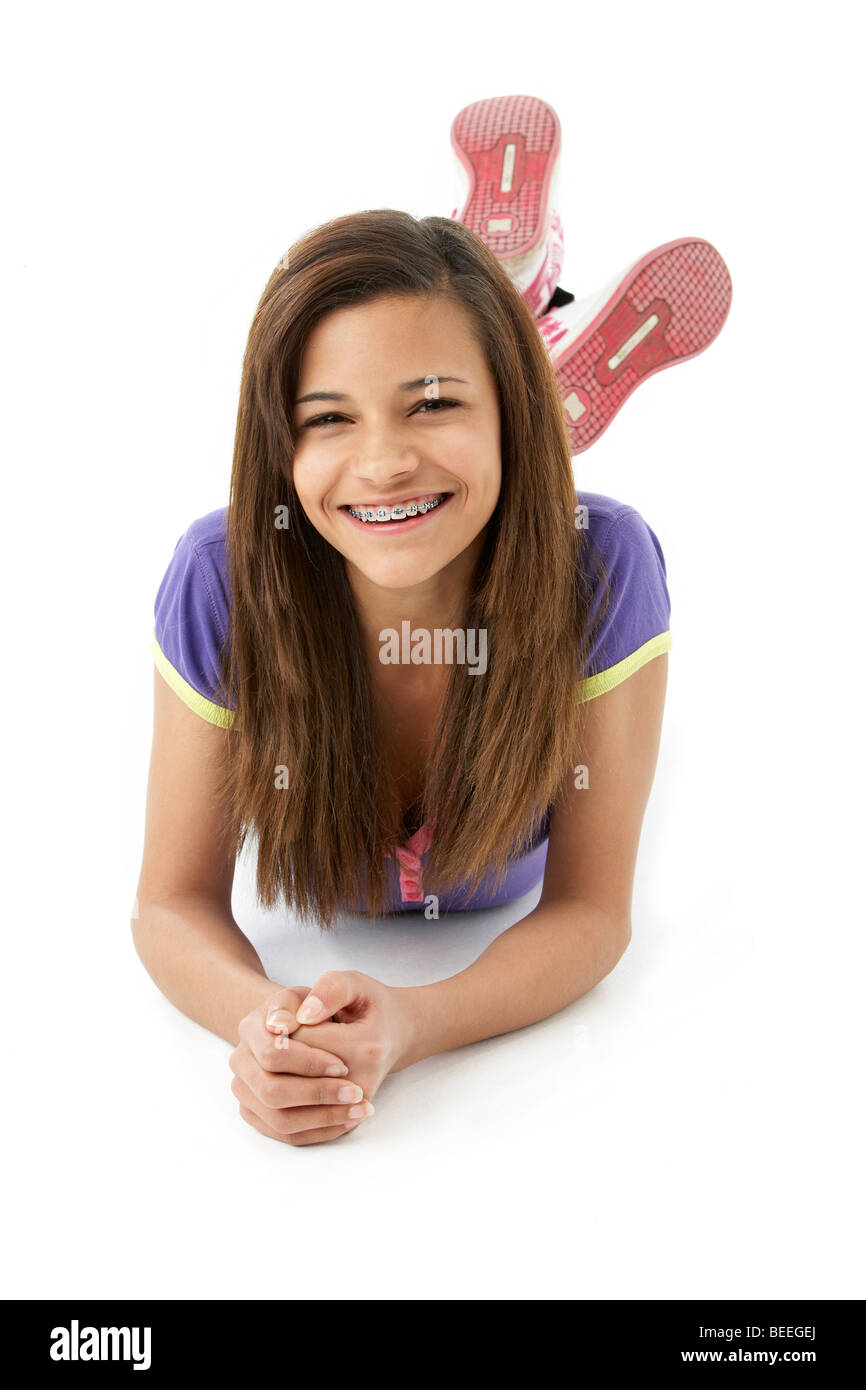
[(692, 1127)]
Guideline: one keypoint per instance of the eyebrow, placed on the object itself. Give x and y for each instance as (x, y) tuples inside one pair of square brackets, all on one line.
[(404, 386)]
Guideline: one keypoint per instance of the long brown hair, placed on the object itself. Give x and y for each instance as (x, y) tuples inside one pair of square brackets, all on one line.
[(293, 667)]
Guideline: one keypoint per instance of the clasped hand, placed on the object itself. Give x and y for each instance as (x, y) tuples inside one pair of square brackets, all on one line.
[(309, 1060)]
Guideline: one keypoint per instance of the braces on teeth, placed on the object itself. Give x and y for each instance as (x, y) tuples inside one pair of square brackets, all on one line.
[(395, 513)]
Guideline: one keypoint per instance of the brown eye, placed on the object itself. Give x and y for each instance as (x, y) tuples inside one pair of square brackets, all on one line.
[(321, 420), (438, 400)]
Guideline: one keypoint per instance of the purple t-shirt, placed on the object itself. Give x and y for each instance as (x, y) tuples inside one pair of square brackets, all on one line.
[(190, 624)]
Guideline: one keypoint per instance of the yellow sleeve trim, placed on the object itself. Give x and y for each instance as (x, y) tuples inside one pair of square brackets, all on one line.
[(587, 689), (614, 675), (214, 714)]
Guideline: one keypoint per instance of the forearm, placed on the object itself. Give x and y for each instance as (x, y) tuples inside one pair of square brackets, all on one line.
[(201, 961), (544, 962)]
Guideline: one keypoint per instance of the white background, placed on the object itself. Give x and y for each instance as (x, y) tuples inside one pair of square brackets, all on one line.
[(693, 1127)]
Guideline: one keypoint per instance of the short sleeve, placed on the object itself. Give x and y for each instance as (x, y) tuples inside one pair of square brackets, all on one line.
[(191, 619), (636, 624)]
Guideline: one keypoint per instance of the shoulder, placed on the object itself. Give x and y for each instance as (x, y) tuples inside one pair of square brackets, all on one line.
[(203, 544), (631, 603), (191, 615), (612, 523)]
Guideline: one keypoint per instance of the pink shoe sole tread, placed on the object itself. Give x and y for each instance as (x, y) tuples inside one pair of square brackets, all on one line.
[(687, 285), (480, 134)]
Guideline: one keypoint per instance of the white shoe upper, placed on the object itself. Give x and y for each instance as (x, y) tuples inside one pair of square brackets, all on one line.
[(561, 327)]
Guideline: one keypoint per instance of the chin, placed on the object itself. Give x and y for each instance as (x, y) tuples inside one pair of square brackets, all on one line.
[(401, 574)]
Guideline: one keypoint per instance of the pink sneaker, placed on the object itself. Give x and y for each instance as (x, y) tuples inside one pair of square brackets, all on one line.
[(663, 309), (507, 153)]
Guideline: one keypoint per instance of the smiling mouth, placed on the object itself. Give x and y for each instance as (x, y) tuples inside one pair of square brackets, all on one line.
[(398, 516)]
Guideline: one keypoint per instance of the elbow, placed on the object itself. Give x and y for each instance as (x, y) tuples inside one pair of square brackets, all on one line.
[(135, 923), (140, 935), (142, 930), (620, 937)]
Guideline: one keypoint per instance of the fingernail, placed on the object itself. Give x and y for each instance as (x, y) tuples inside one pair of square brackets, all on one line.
[(336, 1070), (278, 1020), (347, 1093), (310, 1009), (359, 1112)]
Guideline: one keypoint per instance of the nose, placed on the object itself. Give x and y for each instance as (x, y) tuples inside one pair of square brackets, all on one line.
[(383, 456)]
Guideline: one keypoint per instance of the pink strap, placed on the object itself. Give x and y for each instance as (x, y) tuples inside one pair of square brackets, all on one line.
[(408, 857)]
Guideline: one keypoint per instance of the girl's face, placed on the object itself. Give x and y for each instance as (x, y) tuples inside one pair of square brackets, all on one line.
[(370, 430)]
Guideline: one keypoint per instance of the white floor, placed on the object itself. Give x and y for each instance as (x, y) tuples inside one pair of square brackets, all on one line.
[(691, 1128)]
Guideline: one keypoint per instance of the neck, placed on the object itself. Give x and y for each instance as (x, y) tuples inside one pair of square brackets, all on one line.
[(438, 602)]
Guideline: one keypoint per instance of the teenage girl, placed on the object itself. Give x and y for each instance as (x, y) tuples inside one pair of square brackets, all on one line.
[(400, 458)]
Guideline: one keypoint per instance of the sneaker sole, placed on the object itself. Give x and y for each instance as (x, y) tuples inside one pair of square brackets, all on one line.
[(667, 308), (509, 147)]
